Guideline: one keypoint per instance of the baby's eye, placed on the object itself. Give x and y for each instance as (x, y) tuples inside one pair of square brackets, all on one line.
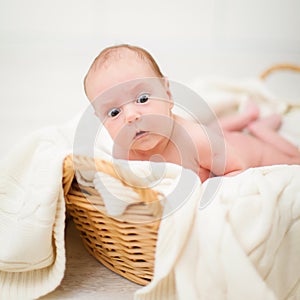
[(114, 112), (143, 98)]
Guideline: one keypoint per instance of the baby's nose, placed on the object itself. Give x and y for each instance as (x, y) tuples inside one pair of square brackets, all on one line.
[(131, 114)]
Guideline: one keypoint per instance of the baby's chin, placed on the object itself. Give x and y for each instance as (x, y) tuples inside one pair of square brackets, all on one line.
[(142, 150), (136, 151), (139, 149)]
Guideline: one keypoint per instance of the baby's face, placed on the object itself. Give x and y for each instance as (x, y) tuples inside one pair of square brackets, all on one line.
[(133, 104)]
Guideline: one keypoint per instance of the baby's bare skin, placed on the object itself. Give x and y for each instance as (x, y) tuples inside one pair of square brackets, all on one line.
[(242, 151)]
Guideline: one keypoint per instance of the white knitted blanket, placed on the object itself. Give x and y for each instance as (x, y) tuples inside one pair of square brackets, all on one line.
[(243, 242)]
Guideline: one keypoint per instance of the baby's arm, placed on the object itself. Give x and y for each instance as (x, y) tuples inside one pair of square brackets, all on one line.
[(216, 154)]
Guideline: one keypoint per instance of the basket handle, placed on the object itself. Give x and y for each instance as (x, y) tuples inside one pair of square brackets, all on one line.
[(277, 67)]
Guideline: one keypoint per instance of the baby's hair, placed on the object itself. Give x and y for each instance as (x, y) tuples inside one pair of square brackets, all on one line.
[(115, 52)]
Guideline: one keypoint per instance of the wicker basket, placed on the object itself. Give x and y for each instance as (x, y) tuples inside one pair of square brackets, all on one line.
[(125, 245), (279, 67)]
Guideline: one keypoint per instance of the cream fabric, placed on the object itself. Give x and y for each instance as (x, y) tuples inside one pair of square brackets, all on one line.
[(32, 207), (244, 245), (32, 214)]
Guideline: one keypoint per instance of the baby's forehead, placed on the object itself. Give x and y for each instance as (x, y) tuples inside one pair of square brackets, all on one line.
[(114, 56), (127, 92), (131, 89)]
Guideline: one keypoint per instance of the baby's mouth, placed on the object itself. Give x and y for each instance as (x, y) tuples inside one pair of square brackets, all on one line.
[(140, 134)]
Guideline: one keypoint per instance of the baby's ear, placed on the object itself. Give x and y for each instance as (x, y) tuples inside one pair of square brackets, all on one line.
[(168, 91), (166, 83)]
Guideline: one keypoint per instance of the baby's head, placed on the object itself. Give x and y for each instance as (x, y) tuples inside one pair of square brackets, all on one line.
[(128, 56), (130, 96)]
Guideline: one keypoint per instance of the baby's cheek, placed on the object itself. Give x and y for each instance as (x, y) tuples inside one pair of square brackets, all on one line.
[(112, 130), (121, 133)]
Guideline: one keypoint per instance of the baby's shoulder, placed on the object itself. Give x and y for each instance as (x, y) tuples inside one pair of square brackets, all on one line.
[(194, 130), (186, 123)]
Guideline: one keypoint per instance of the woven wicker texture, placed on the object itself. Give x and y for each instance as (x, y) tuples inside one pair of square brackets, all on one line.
[(126, 245)]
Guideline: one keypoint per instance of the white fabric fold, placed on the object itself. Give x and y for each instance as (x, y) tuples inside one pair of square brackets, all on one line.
[(32, 214), (32, 208), (244, 245)]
